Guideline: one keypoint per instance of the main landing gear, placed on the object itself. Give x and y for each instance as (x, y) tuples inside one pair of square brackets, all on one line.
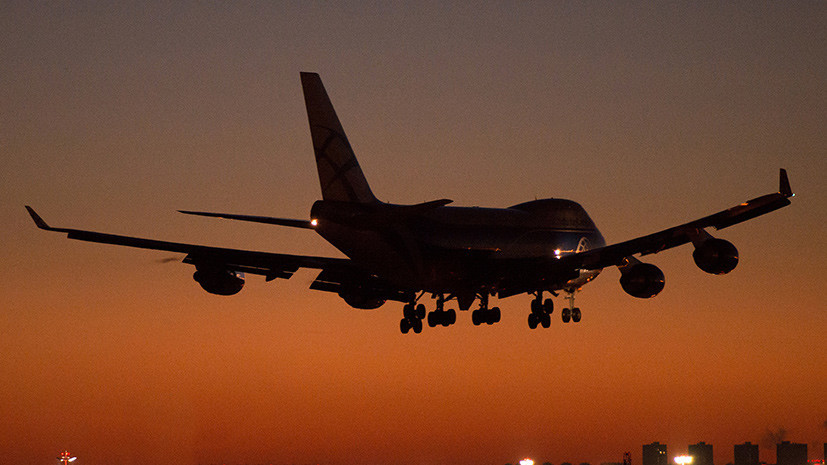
[(484, 314), (440, 316), (413, 314), (541, 310)]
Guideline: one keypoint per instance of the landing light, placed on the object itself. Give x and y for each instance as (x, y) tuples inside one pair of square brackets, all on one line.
[(683, 459), (314, 222), (557, 253), (526, 461)]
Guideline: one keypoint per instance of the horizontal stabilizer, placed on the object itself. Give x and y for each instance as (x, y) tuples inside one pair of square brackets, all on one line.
[(306, 224)]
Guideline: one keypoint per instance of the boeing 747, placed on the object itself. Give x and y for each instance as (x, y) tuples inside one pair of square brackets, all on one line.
[(404, 252)]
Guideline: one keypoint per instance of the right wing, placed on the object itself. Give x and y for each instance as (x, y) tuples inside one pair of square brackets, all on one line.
[(338, 274), (616, 254)]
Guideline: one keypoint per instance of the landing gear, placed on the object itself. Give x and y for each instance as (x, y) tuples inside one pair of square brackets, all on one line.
[(440, 316), (484, 314), (571, 313), (541, 311), (412, 316)]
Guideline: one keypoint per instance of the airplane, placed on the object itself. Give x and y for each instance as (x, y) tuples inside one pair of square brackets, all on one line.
[(403, 252)]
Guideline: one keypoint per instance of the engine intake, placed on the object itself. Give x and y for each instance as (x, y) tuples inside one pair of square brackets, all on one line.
[(716, 256), (642, 280), (219, 281)]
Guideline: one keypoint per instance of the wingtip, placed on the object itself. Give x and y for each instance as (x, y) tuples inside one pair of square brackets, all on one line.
[(784, 184), (38, 221)]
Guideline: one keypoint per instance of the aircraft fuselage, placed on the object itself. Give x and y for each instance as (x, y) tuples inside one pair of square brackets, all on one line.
[(459, 249)]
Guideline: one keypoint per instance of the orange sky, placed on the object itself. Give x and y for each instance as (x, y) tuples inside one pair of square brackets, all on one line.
[(114, 117)]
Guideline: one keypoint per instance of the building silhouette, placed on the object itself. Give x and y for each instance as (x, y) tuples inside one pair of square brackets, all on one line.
[(701, 453), (790, 453), (655, 454), (746, 454)]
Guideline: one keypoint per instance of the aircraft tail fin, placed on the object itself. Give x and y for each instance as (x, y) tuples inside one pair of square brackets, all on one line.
[(340, 176)]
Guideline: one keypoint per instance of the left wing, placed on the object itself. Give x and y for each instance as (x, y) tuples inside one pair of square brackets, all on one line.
[(338, 274), (616, 254)]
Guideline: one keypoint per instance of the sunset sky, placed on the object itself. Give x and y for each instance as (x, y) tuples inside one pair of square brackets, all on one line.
[(114, 116)]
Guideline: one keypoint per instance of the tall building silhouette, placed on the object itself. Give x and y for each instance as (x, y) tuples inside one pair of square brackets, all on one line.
[(701, 453), (655, 454), (790, 453), (746, 454)]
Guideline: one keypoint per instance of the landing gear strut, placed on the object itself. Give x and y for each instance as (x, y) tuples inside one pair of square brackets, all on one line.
[(540, 311)]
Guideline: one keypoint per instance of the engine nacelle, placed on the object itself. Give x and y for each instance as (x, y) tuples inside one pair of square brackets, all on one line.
[(642, 280), (362, 301), (716, 256), (219, 281)]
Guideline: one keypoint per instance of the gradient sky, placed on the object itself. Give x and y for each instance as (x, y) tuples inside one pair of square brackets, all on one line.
[(113, 116)]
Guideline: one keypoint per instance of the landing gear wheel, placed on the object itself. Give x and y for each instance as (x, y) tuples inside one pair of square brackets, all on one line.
[(495, 315), (449, 317), (566, 315), (417, 325), (533, 320), (536, 306), (433, 319), (575, 315), (420, 312), (548, 306), (476, 318), (545, 320), (405, 325), (408, 312)]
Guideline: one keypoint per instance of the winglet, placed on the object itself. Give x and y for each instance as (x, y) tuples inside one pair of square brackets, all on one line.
[(38, 220), (784, 184)]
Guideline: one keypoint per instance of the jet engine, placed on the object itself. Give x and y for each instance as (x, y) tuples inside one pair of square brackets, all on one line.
[(362, 301), (219, 281), (642, 280), (716, 256)]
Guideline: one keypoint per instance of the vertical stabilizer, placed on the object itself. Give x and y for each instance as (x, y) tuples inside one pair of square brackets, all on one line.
[(340, 176)]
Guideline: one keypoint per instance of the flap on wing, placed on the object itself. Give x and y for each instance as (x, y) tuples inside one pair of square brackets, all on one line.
[(306, 224)]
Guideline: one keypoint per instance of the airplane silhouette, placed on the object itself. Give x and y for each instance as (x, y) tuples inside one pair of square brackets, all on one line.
[(403, 252)]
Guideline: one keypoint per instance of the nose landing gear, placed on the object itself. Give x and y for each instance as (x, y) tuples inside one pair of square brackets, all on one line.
[(571, 313)]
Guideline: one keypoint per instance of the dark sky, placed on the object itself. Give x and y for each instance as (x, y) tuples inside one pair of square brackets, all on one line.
[(113, 116)]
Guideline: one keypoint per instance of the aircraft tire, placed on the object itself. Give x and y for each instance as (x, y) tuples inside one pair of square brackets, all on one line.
[(548, 306), (433, 319), (566, 315), (408, 311), (420, 311), (475, 317), (495, 314), (533, 320), (451, 317), (404, 325), (545, 320), (576, 315), (417, 325), (536, 307)]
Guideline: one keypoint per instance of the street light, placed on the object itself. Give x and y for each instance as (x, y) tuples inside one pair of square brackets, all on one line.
[(65, 458), (683, 459)]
